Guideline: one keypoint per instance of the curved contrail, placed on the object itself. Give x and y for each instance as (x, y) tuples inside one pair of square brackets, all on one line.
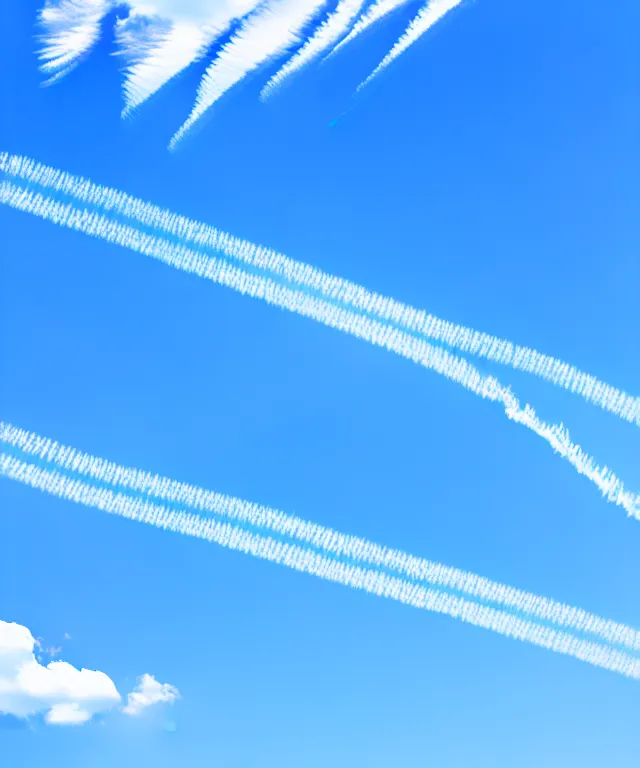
[(318, 562), (331, 287)]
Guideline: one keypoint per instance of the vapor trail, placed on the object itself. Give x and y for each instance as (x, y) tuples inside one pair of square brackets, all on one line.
[(363, 327), (327, 33), (33, 447), (318, 564), (426, 18), (330, 287), (375, 12), (273, 29)]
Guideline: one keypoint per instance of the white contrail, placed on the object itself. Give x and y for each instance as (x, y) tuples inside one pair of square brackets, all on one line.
[(70, 460), (375, 12), (332, 288), (318, 564), (327, 33), (426, 18), (71, 29), (273, 29), (375, 332)]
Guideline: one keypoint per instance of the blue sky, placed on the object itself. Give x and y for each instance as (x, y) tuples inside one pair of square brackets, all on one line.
[(490, 176)]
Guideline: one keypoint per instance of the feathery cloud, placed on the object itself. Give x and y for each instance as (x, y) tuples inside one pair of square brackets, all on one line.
[(158, 39), (147, 693), (431, 13), (66, 695)]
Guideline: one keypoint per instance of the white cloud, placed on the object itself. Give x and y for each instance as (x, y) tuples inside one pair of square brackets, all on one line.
[(159, 39), (66, 695), (149, 692)]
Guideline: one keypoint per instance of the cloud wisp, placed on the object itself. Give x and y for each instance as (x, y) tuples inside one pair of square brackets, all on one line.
[(160, 38), (63, 694), (247, 274), (148, 693), (588, 638)]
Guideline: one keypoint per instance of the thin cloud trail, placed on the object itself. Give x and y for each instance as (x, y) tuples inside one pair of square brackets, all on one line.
[(175, 49), (307, 561), (374, 13), (327, 33), (426, 18), (159, 50), (273, 29), (67, 459), (70, 29), (332, 288), (375, 332)]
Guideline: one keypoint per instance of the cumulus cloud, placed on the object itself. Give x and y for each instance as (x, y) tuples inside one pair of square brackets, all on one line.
[(64, 694), (149, 692)]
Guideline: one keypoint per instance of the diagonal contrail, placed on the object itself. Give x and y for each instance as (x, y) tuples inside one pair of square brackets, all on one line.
[(306, 304), (379, 334), (270, 31), (327, 33), (429, 15), (36, 449), (330, 287), (316, 561)]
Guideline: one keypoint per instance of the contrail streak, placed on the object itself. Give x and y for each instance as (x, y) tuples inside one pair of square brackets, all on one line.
[(273, 29), (373, 331), (319, 564), (375, 12), (327, 33), (69, 460), (426, 18), (332, 288)]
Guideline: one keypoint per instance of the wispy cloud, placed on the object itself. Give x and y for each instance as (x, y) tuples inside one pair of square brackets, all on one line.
[(272, 30), (64, 694), (327, 33), (432, 12), (275, 287), (148, 693), (323, 561), (160, 38), (70, 28)]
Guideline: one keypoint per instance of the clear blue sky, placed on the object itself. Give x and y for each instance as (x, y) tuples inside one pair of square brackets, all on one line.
[(490, 176)]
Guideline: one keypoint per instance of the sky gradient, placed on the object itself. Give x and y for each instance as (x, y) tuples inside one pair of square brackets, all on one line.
[(489, 176)]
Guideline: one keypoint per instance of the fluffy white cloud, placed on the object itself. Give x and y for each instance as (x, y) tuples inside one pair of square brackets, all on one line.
[(66, 695), (149, 692)]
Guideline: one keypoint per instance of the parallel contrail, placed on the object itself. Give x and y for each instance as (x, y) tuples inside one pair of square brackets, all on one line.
[(330, 287), (317, 563), (361, 326), (35, 448), (431, 13)]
